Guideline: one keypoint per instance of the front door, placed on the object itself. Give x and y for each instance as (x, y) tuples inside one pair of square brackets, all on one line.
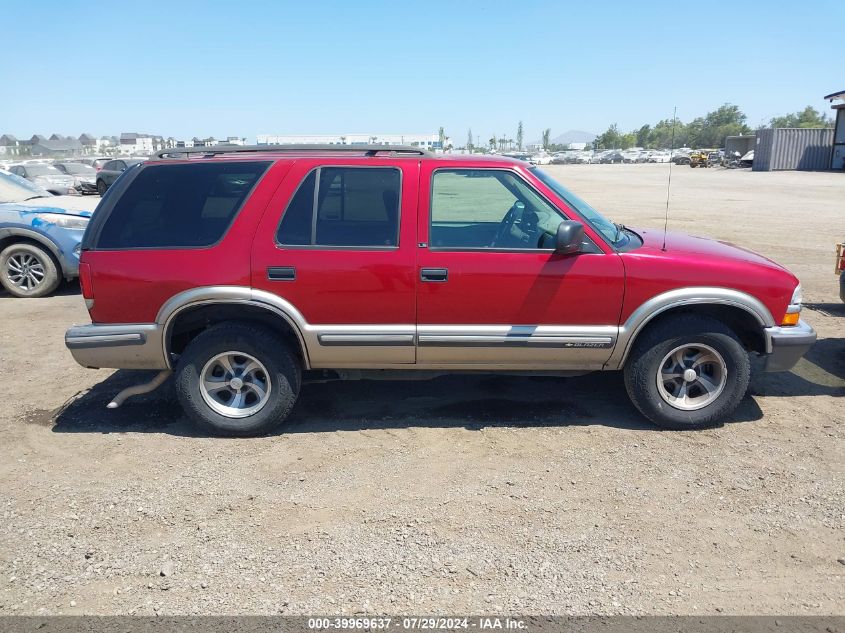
[(338, 243), (491, 291)]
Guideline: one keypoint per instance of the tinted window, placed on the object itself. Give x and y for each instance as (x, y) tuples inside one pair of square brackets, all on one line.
[(110, 166), (351, 207), (478, 208), (184, 205)]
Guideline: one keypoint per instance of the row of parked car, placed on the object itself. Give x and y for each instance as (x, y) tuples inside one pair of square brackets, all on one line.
[(681, 156), (586, 157), (72, 176)]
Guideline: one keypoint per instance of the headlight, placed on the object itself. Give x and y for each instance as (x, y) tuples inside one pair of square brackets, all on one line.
[(64, 221), (797, 297)]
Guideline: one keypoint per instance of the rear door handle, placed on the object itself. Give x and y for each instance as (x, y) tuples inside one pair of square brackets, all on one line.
[(281, 273), (434, 274)]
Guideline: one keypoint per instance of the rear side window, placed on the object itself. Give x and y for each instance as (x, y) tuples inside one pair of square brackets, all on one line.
[(179, 206), (344, 206)]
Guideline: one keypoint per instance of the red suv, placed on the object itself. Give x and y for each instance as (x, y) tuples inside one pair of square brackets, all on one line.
[(241, 268)]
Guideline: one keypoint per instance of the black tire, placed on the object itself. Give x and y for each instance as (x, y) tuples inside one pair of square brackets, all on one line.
[(43, 267), (269, 349), (643, 365), (101, 187)]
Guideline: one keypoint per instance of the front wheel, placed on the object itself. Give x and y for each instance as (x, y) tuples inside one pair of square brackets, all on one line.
[(27, 270), (687, 372), (238, 379)]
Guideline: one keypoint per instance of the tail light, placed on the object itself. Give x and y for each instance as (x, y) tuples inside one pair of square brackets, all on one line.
[(840, 258), (86, 284)]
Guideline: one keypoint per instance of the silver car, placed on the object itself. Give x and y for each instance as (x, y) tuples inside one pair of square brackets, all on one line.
[(47, 177)]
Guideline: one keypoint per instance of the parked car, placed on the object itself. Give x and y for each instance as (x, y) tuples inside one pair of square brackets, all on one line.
[(96, 163), (239, 270), (611, 157), (84, 176), (47, 177), (112, 170), (541, 159), (40, 236)]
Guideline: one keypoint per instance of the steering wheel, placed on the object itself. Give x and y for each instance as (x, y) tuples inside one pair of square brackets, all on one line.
[(506, 235), (518, 229)]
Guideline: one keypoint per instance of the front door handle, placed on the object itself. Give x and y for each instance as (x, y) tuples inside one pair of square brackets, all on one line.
[(434, 274)]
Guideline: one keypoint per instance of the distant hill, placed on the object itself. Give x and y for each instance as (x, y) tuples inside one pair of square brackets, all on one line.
[(571, 136)]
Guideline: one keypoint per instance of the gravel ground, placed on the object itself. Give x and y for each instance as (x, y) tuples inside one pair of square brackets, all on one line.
[(469, 494)]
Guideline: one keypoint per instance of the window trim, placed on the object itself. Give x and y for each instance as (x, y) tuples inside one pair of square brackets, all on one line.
[(337, 247), (482, 249), (117, 192)]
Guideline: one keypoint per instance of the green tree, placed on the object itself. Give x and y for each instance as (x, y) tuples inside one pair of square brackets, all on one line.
[(711, 130), (628, 140), (610, 138), (643, 136), (809, 117), (547, 133), (520, 133), (469, 140), (441, 134), (492, 142), (661, 135)]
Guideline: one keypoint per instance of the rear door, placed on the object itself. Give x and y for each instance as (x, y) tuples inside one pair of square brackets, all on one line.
[(338, 243)]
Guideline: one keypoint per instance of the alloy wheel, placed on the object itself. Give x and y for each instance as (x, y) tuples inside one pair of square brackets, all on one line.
[(25, 270), (691, 376), (235, 384)]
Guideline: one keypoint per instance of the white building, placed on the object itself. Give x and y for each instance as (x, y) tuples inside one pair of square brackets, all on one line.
[(132, 144), (425, 141)]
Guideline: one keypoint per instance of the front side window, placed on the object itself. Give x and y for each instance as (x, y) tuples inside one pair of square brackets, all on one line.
[(489, 208), (179, 206), (344, 206)]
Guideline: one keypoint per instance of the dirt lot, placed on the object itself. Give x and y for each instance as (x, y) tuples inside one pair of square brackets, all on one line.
[(467, 494)]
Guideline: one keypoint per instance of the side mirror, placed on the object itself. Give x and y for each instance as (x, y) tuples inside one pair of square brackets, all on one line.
[(570, 235)]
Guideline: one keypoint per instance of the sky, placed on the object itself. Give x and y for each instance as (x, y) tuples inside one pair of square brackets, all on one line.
[(218, 68)]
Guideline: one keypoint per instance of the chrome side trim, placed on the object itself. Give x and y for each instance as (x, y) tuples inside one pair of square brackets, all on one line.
[(516, 336), (333, 346), (365, 339), (105, 340), (682, 297), (515, 346)]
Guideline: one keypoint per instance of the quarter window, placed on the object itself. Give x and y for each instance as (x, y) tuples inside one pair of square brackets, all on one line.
[(179, 206), (487, 208), (344, 206)]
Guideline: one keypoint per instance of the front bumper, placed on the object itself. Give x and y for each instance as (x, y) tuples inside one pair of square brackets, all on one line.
[(86, 187), (786, 345), (133, 346)]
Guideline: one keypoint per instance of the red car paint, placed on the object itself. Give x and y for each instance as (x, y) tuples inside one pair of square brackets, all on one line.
[(351, 286)]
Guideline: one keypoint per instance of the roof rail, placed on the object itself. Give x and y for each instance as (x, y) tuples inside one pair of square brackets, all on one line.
[(367, 150)]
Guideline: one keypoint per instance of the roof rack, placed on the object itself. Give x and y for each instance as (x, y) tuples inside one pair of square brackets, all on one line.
[(367, 150)]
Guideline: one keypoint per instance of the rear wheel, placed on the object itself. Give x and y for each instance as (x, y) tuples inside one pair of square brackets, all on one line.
[(687, 372), (238, 379), (27, 270), (101, 187)]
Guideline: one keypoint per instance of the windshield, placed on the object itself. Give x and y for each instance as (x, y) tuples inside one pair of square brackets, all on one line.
[(16, 189), (596, 219), (78, 169), (42, 170)]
